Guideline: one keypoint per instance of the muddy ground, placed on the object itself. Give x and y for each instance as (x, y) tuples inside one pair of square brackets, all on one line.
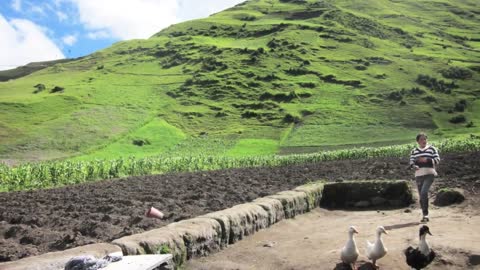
[(35, 222)]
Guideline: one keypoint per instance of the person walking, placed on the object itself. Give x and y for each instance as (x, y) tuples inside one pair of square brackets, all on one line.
[(423, 159)]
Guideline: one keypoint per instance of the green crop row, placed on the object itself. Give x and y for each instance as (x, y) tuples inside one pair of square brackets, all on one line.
[(60, 173)]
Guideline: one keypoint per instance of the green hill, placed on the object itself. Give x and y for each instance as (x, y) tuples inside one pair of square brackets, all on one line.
[(22, 71), (265, 76)]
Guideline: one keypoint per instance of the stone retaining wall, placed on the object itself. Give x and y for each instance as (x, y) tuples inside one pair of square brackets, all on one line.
[(209, 233)]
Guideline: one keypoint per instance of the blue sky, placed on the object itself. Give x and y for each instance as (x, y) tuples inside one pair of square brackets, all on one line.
[(40, 30)]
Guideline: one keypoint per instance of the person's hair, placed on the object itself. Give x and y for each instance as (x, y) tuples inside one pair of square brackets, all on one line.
[(421, 134)]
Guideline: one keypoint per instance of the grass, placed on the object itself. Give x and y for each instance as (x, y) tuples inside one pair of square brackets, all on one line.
[(253, 147), (155, 137), (262, 77)]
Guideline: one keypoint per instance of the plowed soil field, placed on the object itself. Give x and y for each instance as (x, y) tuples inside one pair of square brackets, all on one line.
[(36, 222)]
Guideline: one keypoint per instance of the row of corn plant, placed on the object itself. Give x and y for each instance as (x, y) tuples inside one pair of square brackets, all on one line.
[(60, 173)]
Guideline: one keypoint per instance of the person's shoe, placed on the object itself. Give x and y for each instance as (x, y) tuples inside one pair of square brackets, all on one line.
[(425, 219)]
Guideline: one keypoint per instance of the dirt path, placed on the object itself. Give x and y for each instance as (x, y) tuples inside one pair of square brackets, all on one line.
[(314, 240), (35, 222)]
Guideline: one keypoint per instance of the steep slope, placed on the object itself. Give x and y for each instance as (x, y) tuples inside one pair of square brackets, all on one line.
[(262, 77)]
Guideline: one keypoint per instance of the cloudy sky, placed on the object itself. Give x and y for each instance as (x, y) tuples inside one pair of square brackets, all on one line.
[(39, 30)]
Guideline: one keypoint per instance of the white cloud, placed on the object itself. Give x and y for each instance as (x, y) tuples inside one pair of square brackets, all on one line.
[(98, 35), (58, 3), (61, 15), (69, 39), (23, 42), (194, 9), (17, 5), (127, 19), (37, 9)]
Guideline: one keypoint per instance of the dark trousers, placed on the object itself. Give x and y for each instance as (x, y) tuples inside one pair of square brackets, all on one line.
[(423, 184)]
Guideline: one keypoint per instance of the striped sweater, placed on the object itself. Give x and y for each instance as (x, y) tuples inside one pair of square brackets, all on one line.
[(432, 157)]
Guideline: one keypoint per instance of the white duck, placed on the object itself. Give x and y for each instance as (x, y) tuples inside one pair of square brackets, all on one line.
[(377, 250), (423, 255), (349, 253)]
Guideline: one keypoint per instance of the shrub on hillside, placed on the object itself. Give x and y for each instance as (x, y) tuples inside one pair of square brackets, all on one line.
[(210, 64), (416, 91), (302, 94), (279, 97), (458, 119), (456, 73), (177, 34), (306, 112), (429, 99), (297, 71), (257, 106), (267, 78), (475, 68), (249, 114), (294, 1), (273, 43), (39, 88), (57, 89), (140, 142), (460, 105), (289, 118), (304, 15), (221, 114), (307, 84), (436, 85), (396, 95), (253, 84), (248, 18)]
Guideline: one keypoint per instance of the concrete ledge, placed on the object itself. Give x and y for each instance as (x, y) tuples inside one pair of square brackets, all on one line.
[(273, 207), (314, 193), (157, 241), (239, 221), (57, 260), (184, 240), (294, 202), (200, 236)]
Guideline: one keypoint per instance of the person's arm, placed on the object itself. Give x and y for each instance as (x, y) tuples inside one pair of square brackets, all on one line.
[(412, 159), (436, 156)]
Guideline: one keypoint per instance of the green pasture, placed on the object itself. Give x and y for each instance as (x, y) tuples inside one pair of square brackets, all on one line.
[(264, 77)]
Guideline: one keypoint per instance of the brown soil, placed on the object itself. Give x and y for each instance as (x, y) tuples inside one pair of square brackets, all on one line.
[(313, 241), (35, 222)]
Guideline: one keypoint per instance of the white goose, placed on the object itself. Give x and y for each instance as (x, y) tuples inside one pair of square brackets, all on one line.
[(349, 253), (377, 250)]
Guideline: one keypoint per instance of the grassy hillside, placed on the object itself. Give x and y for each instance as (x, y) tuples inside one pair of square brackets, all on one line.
[(21, 71), (265, 76)]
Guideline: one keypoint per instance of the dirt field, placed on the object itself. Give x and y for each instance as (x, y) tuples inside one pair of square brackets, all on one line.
[(313, 241), (36, 222)]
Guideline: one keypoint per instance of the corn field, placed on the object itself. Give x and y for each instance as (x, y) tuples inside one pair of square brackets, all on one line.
[(60, 173)]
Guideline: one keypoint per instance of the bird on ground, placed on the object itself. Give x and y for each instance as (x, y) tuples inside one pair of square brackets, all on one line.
[(420, 257), (377, 250), (349, 253)]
